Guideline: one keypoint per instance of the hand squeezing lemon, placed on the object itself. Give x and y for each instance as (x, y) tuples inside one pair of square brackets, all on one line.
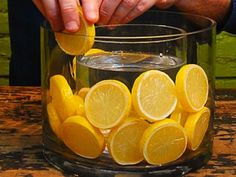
[(80, 42)]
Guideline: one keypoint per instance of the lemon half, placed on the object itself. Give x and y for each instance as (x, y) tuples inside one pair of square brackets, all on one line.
[(164, 141), (82, 138), (80, 42), (123, 141), (154, 95), (107, 103), (192, 87), (196, 127)]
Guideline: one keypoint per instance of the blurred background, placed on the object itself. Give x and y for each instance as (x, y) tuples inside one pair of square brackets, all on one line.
[(225, 64)]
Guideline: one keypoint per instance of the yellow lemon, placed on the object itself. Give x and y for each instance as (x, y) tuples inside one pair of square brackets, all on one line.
[(192, 87), (83, 92), (123, 141), (94, 51), (154, 95), (196, 127), (163, 142), (62, 97), (82, 138), (80, 42), (79, 104), (107, 103), (53, 118), (179, 115), (127, 57), (133, 113)]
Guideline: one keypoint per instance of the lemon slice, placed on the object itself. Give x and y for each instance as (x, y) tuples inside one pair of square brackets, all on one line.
[(80, 42), (53, 118), (82, 92), (107, 103), (196, 127), (192, 87), (123, 141), (94, 51), (62, 97), (154, 95), (163, 142), (82, 138), (127, 57), (79, 104), (179, 115)]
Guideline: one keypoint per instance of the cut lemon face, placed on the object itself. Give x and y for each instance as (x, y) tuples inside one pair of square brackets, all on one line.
[(196, 127), (107, 103), (123, 141), (164, 141), (82, 138), (192, 87), (80, 42), (53, 118), (62, 97), (127, 57), (154, 95)]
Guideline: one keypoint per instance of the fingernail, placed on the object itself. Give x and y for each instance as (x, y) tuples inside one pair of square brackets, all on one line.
[(92, 17), (72, 26)]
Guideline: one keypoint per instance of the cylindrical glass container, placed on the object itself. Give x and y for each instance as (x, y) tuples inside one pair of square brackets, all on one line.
[(160, 41)]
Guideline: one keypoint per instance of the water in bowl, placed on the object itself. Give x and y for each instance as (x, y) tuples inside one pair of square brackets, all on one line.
[(123, 66)]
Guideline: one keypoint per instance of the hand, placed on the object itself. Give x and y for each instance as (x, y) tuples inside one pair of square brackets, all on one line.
[(164, 4), (124, 11), (63, 14)]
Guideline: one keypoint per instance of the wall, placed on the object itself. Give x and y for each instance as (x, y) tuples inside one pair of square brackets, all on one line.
[(225, 66), (225, 54), (4, 44)]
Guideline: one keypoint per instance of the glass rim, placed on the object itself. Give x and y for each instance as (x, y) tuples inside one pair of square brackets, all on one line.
[(182, 32), (141, 39)]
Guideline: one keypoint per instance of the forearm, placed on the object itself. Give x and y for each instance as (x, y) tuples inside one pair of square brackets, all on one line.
[(215, 9)]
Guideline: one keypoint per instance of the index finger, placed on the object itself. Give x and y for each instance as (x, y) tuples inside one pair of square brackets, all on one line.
[(91, 9), (70, 14), (51, 12)]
